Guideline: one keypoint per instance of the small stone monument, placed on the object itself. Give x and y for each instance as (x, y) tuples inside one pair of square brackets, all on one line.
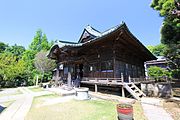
[(69, 81), (82, 93)]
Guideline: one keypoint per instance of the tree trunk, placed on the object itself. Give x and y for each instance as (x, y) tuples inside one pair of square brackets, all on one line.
[(42, 77)]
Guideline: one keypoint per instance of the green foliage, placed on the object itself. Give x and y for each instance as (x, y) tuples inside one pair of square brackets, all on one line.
[(17, 64), (163, 6), (16, 50), (170, 31), (173, 54), (3, 46), (10, 68), (39, 42), (44, 44), (157, 50), (157, 72), (176, 73)]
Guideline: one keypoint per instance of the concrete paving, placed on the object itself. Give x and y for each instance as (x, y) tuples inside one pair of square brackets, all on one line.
[(19, 109), (153, 109), (10, 98)]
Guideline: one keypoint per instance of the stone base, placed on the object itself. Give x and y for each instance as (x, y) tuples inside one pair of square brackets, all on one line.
[(82, 93), (157, 89)]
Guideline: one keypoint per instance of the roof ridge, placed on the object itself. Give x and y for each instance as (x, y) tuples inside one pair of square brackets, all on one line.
[(62, 41), (92, 28)]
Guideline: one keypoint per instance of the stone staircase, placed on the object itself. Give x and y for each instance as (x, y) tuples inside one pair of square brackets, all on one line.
[(134, 90)]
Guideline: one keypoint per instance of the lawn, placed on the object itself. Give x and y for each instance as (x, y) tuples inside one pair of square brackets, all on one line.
[(77, 110), (36, 89)]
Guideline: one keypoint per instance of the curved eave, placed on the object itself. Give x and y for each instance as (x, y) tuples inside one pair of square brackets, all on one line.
[(51, 53), (60, 46)]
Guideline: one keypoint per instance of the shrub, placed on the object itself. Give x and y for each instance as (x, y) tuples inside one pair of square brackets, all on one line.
[(157, 72)]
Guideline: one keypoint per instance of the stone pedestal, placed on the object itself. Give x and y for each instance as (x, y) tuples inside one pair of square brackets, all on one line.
[(82, 93)]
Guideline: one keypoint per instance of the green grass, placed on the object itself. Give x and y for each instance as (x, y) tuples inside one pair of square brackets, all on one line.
[(73, 110), (78, 110), (36, 89), (138, 111)]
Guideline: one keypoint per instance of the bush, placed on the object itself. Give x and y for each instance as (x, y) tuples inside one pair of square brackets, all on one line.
[(157, 72), (176, 73)]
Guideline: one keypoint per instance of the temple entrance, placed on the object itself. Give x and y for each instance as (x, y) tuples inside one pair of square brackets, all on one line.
[(81, 71), (76, 71)]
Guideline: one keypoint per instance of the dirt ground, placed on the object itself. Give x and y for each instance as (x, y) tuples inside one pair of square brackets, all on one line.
[(176, 92), (173, 108), (176, 88)]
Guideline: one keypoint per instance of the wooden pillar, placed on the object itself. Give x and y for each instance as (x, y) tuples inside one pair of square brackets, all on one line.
[(114, 62), (96, 88), (99, 63), (122, 88), (129, 79)]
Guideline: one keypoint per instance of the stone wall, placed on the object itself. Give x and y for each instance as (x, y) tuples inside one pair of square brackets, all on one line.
[(160, 89)]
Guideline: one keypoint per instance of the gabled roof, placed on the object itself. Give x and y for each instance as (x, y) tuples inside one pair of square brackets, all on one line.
[(96, 36), (91, 33)]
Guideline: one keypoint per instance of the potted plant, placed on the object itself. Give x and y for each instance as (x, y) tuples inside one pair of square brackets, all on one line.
[(125, 111)]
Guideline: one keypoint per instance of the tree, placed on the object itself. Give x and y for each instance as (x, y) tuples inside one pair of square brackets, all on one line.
[(3, 46), (44, 44), (157, 50), (170, 31), (10, 68), (39, 42), (157, 72), (43, 64), (17, 64), (28, 57), (173, 55), (16, 50)]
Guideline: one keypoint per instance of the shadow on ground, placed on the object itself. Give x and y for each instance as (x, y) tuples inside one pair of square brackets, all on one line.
[(2, 108)]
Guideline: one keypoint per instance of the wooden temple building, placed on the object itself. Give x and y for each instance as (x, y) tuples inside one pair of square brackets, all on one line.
[(109, 54)]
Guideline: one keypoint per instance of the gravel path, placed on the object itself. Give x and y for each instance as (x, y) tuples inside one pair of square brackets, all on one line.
[(153, 109)]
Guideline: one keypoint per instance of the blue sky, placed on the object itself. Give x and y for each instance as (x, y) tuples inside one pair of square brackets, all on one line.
[(65, 19)]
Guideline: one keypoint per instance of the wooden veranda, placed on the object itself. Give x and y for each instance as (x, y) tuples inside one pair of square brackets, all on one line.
[(129, 85)]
